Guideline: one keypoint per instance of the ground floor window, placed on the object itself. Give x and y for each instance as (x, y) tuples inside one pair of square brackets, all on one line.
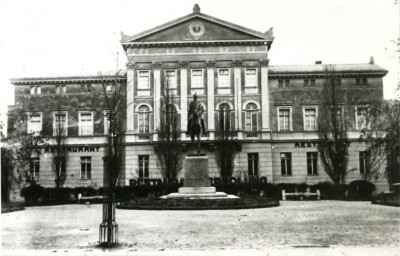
[(286, 163), (60, 165), (252, 164), (364, 162), (144, 166), (312, 163), (86, 167), (34, 167)]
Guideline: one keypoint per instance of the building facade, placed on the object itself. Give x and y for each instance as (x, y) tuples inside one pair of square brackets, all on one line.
[(272, 110)]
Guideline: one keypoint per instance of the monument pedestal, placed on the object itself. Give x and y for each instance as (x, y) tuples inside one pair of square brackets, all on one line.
[(197, 184)]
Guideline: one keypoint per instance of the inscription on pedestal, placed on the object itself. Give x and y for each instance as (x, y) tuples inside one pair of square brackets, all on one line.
[(196, 171)]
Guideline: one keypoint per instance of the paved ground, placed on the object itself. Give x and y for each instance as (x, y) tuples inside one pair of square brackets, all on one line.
[(328, 227)]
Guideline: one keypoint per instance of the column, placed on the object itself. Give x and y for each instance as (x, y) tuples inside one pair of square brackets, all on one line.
[(264, 99), (237, 72), (184, 102), (210, 99), (157, 95), (130, 98)]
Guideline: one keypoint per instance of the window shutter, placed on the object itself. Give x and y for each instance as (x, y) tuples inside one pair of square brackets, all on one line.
[(205, 117), (259, 120), (232, 120), (151, 122), (243, 120), (136, 122)]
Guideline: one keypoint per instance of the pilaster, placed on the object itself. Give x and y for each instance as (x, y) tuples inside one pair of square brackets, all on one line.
[(184, 102), (237, 72), (210, 99), (157, 95), (130, 98), (265, 112)]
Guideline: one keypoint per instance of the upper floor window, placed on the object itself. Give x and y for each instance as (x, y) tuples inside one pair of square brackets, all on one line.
[(309, 83), (64, 88), (287, 83), (143, 119), (60, 124), (171, 83), (224, 81), (280, 83), (310, 119), (106, 121), (312, 82), (36, 89), (197, 82), (250, 82), (306, 82), (58, 89), (338, 119), (284, 119), (226, 118), (35, 123), (143, 88), (251, 116), (361, 118), (86, 87), (361, 81), (86, 123)]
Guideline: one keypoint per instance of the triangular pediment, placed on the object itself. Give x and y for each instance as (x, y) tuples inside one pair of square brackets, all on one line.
[(197, 27)]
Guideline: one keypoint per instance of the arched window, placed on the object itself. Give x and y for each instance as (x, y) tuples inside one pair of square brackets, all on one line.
[(225, 118), (251, 117), (143, 120), (170, 119)]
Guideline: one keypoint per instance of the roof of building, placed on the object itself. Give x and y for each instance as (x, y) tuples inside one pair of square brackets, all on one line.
[(267, 36), (66, 79), (323, 68)]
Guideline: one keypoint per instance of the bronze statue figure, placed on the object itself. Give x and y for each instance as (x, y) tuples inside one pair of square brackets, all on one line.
[(196, 125)]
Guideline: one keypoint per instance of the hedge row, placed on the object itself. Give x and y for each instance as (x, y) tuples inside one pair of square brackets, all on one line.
[(359, 189)]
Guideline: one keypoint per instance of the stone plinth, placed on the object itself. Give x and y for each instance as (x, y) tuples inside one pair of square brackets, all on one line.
[(196, 171), (197, 184)]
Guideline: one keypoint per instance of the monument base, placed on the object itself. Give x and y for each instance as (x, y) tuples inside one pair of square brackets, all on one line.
[(197, 184)]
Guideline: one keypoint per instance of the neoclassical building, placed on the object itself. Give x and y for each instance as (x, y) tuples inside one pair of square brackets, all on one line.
[(272, 110)]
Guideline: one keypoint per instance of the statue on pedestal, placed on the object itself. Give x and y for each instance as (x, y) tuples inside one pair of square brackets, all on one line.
[(196, 125)]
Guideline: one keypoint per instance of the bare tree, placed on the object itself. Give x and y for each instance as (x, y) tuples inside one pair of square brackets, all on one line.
[(60, 152), (384, 140), (332, 129), (169, 148), (112, 93), (225, 145)]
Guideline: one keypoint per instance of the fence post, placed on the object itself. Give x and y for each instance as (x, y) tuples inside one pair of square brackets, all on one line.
[(283, 195)]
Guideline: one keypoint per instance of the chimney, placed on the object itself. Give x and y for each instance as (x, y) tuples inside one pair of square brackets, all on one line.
[(318, 62), (371, 60)]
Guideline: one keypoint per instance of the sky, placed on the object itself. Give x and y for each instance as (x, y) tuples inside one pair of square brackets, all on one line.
[(58, 38)]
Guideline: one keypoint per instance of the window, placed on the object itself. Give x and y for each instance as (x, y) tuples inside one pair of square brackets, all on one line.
[(305, 83), (338, 117), (63, 89), (197, 82), (86, 167), (287, 83), (144, 119), (85, 123), (171, 84), (361, 118), (60, 166), (35, 123), (286, 163), (310, 120), (252, 159), (251, 115), (106, 121), (86, 87), (312, 163), (364, 162), (143, 83), (34, 167), (361, 81), (224, 81), (250, 81), (58, 89), (60, 126), (280, 83), (170, 119), (226, 118), (312, 83), (143, 166), (364, 81), (36, 89), (284, 119), (109, 88)]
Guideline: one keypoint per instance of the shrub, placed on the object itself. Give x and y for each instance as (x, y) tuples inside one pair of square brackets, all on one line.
[(361, 189), (302, 187), (288, 187), (32, 194)]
